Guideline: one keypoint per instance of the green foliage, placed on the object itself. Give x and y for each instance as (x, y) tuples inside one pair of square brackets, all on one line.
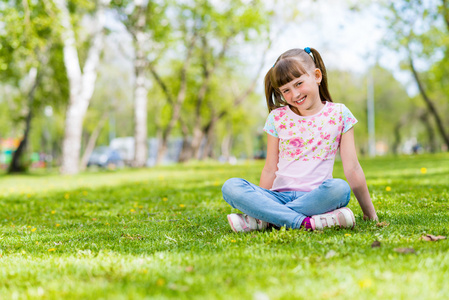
[(419, 31), (162, 233)]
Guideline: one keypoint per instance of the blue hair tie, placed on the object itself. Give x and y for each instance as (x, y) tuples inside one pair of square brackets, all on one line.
[(307, 49)]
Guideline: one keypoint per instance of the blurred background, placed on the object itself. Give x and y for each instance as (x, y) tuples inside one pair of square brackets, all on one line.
[(123, 83)]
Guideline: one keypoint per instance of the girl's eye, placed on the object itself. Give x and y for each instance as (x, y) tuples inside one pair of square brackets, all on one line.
[(298, 84), (285, 91)]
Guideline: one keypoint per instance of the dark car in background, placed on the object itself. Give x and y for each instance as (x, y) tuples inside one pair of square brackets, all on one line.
[(105, 157)]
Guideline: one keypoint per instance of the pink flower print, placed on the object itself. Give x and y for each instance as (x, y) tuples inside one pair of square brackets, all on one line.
[(329, 110), (271, 130), (349, 120), (276, 118), (290, 133), (319, 143), (282, 126), (303, 121), (332, 122), (340, 118), (282, 114), (327, 137), (326, 114), (310, 141), (340, 128), (313, 119), (320, 128), (310, 123), (303, 129), (314, 148), (296, 142), (292, 124)]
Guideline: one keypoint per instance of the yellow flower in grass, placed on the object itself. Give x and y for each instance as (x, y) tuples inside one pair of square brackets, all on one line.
[(388, 188), (67, 196), (33, 230), (164, 199), (423, 170), (57, 225), (53, 212), (51, 249), (182, 205)]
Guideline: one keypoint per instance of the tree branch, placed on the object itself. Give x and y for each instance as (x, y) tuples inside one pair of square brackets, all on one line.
[(428, 101)]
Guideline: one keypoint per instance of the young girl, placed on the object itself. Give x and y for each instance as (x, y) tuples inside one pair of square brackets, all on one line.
[(305, 129)]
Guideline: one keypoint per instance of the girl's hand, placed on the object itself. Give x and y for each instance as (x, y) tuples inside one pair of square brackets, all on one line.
[(372, 218)]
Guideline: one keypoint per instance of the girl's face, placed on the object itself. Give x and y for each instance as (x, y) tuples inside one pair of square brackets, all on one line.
[(302, 93)]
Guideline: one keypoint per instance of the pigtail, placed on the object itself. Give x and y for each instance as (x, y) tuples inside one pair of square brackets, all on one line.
[(319, 63), (274, 99)]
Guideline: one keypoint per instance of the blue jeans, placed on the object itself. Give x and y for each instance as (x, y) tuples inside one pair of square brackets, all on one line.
[(285, 208)]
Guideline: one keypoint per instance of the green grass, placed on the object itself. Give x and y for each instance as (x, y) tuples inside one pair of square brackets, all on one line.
[(162, 233)]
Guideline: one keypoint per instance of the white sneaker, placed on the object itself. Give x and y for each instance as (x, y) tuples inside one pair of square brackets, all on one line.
[(245, 223), (342, 217)]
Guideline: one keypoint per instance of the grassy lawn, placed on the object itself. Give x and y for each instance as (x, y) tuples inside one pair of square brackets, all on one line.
[(162, 233)]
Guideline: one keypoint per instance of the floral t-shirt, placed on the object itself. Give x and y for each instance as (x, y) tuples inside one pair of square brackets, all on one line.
[(307, 145)]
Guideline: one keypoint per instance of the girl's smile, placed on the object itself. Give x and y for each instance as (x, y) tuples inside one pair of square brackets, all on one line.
[(302, 94)]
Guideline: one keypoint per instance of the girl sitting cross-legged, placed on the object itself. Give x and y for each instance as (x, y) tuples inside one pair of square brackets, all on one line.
[(305, 128)]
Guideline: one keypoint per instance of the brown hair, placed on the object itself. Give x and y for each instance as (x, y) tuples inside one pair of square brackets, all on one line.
[(290, 65)]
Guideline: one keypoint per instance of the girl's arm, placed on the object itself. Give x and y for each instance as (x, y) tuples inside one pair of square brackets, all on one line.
[(355, 176), (271, 163)]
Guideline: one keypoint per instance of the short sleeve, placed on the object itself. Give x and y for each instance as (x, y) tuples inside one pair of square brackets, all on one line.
[(348, 119), (269, 126)]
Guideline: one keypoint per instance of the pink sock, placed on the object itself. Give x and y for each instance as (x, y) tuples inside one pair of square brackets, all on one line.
[(307, 224)]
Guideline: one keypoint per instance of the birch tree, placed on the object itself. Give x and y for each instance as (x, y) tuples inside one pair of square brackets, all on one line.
[(146, 21), (81, 81)]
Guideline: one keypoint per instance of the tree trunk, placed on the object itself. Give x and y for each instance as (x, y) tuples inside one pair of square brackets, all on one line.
[(92, 141), (140, 112), (178, 102), (17, 164), (424, 117), (141, 40), (430, 106), (186, 143), (226, 145), (81, 84), (208, 71)]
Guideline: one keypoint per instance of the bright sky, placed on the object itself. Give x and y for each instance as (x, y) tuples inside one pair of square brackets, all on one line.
[(349, 40)]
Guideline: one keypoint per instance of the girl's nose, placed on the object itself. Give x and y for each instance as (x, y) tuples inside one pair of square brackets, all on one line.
[(296, 93)]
